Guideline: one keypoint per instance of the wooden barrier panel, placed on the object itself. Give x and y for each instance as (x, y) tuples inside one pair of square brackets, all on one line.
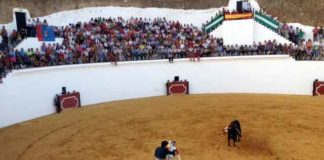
[(177, 87), (68, 101), (318, 88)]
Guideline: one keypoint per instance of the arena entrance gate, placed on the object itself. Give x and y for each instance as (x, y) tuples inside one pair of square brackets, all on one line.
[(21, 20)]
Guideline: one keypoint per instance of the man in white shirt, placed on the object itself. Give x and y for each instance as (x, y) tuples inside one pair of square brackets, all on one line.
[(246, 6), (172, 149)]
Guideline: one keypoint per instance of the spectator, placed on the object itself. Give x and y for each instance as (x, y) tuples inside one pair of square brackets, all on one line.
[(300, 35), (4, 35), (315, 33), (316, 49), (300, 50), (14, 37), (29, 27), (321, 33), (33, 30), (15, 59), (246, 6), (38, 22), (23, 33), (2, 68), (170, 56), (309, 48), (45, 22), (322, 47)]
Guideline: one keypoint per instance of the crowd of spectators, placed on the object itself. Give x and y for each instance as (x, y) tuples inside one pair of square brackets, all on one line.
[(113, 40), (302, 50), (313, 49), (295, 35), (31, 25), (305, 49), (7, 42)]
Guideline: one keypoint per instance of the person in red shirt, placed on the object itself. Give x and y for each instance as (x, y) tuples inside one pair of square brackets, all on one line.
[(315, 34)]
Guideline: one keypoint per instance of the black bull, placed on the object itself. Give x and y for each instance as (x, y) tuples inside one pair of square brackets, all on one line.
[(234, 132)]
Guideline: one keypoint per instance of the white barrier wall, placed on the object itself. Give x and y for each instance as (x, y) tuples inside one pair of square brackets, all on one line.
[(28, 94), (238, 32)]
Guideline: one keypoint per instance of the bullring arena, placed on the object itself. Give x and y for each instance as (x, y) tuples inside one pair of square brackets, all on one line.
[(274, 127), (113, 89)]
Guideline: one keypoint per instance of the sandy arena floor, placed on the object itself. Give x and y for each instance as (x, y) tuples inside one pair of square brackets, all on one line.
[(275, 127)]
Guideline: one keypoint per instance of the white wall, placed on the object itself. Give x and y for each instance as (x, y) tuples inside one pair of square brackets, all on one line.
[(33, 42), (246, 32), (238, 32), (28, 94), (218, 32), (262, 33), (195, 17)]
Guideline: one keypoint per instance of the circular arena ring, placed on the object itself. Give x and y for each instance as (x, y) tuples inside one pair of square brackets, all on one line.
[(273, 127)]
